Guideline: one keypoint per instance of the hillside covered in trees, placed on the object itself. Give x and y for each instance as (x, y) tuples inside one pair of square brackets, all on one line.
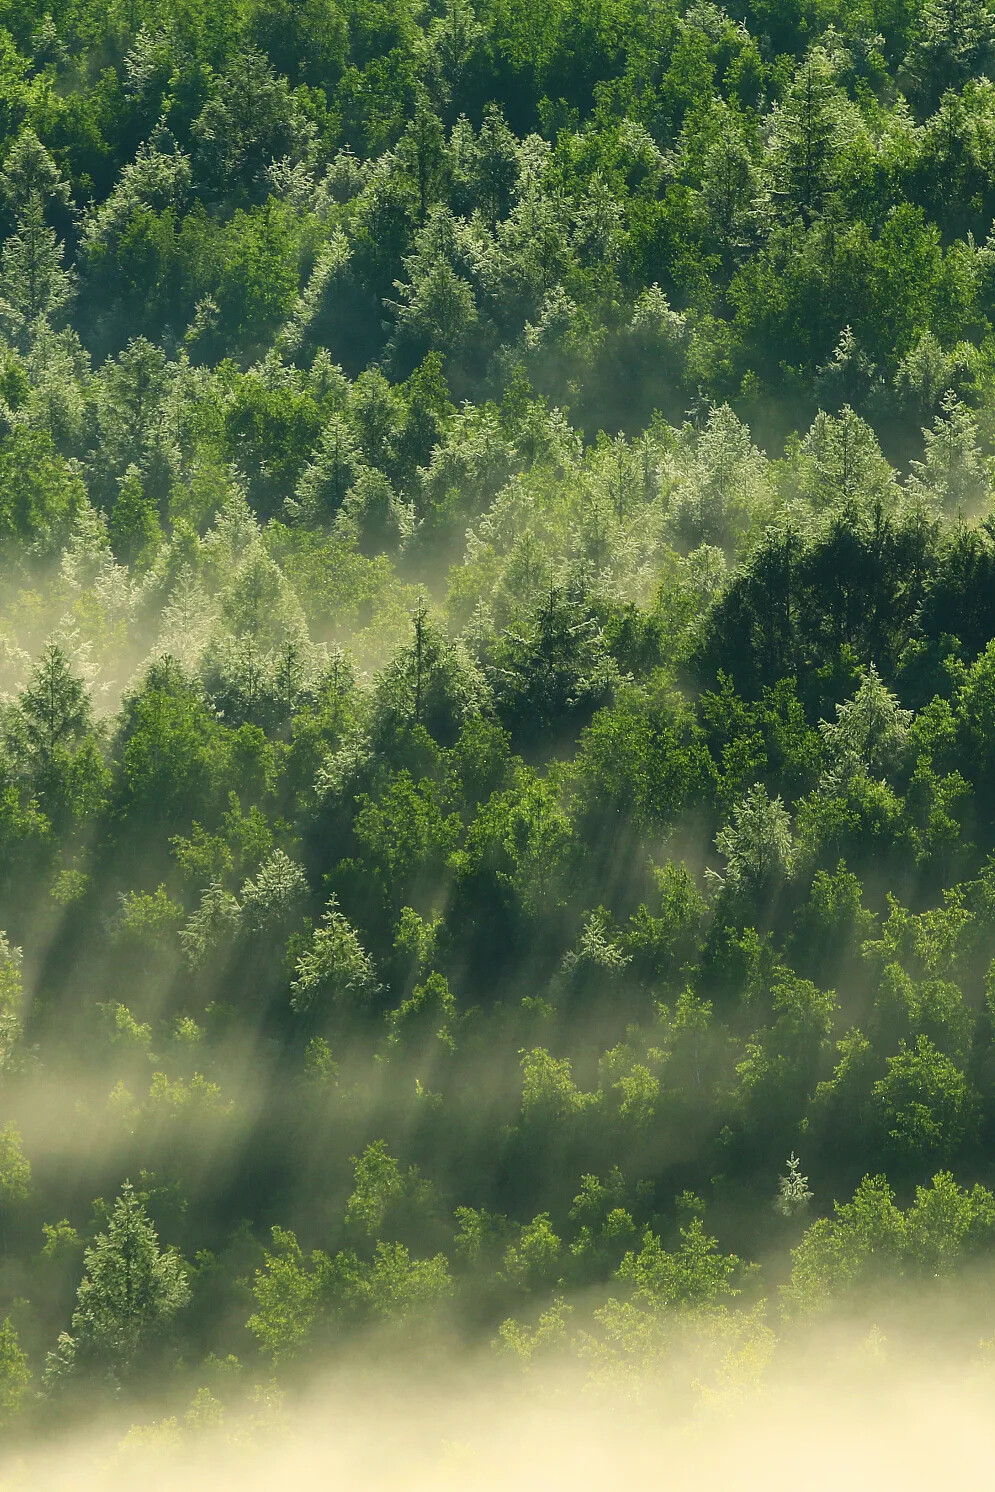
[(497, 641)]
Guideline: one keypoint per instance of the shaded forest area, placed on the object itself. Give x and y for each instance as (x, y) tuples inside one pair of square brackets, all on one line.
[(497, 748)]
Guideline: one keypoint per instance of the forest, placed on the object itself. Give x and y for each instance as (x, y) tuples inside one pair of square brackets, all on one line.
[(497, 652)]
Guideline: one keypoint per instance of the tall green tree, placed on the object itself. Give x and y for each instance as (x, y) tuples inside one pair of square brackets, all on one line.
[(126, 1303)]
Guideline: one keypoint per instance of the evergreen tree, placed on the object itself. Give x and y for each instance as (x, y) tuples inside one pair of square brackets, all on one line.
[(130, 1293), (55, 706), (34, 285), (953, 40), (954, 475), (811, 129), (757, 845)]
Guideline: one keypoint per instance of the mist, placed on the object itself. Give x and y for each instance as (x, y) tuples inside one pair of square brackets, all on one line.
[(834, 1408)]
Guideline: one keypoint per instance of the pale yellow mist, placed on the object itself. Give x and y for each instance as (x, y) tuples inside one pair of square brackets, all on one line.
[(832, 1423)]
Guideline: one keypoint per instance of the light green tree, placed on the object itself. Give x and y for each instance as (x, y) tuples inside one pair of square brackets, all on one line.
[(793, 1194), (127, 1300), (34, 285), (870, 729), (810, 131), (758, 845), (11, 997), (15, 1375), (55, 705), (336, 972), (15, 1168), (953, 474)]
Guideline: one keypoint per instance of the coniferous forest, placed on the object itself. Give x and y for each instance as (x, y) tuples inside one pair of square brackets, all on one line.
[(497, 650)]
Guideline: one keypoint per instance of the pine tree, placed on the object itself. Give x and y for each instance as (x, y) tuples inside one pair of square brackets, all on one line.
[(452, 41), (327, 478), (954, 41), (34, 286), (30, 176), (55, 705), (758, 845), (421, 152), (129, 1295), (793, 1195), (870, 730), (953, 475), (497, 167), (731, 187), (335, 973), (811, 126), (554, 674)]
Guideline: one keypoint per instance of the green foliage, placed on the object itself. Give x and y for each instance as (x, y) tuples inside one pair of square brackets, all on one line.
[(11, 996), (15, 1168), (130, 1292), (288, 1294), (335, 975), (497, 657), (757, 845), (925, 1106), (298, 1296), (793, 1195), (549, 1093), (694, 1274), (870, 1239), (15, 1374)]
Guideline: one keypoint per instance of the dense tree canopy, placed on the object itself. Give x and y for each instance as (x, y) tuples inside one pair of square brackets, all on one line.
[(497, 641)]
